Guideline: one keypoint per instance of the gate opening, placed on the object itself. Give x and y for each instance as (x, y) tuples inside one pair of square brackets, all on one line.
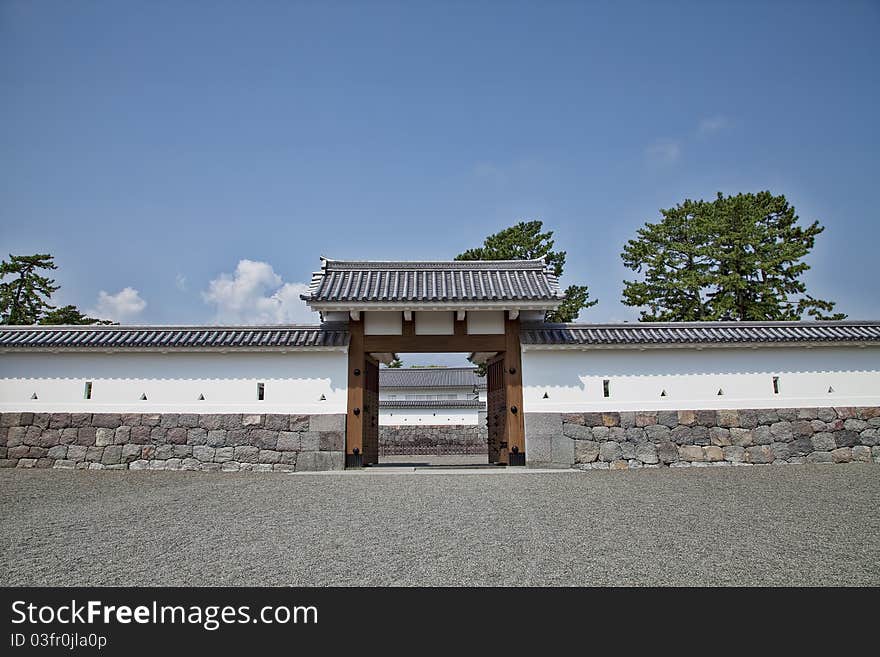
[(432, 412)]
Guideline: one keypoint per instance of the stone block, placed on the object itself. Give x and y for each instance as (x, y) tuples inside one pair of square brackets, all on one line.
[(230, 466), (782, 431), (740, 437), (561, 450), (719, 436), (845, 412), (26, 463), (104, 436), (251, 420), (646, 419), (203, 453), (596, 433), (734, 453), (759, 454), (112, 455), (85, 436), (302, 423), (657, 433), (667, 452), (8, 463), (841, 455), (59, 420), (188, 420), (310, 441), (130, 453), (539, 448), (276, 422), (60, 452), (611, 419), (15, 436), (39, 420), (169, 420), (288, 441), (748, 418), (691, 453), (106, 420), (713, 453), (149, 451), (181, 451), (331, 441), (627, 450), (854, 424), (870, 437), (64, 464), (269, 456), (592, 419), (627, 419), (668, 418), (585, 451), (573, 418), (150, 419), (289, 458), (681, 435), (823, 442), (846, 438), (307, 462), (210, 467), (577, 431), (178, 435), (224, 454), (782, 451), (861, 453), (158, 434), (820, 457), (246, 454), (140, 435), (728, 418), (213, 438), (762, 435), (18, 452), (647, 453), (282, 467), (139, 465), (326, 422), (610, 451), (93, 453), (799, 447), (802, 428), (618, 465), (122, 435)]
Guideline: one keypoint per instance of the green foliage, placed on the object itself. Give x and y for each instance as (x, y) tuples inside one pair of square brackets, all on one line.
[(395, 364), (70, 315), (734, 258), (526, 241), (25, 298)]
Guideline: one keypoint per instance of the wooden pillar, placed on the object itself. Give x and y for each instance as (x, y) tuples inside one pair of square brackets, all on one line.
[(354, 420), (515, 424)]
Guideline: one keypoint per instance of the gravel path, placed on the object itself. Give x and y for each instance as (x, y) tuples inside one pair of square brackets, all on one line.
[(800, 525)]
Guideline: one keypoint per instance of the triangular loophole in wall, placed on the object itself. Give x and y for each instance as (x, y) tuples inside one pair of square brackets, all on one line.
[(201, 397), (720, 392), (34, 396), (143, 396), (662, 393), (546, 396), (323, 397), (830, 389)]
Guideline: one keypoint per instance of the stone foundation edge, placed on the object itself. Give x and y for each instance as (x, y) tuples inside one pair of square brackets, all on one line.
[(228, 442), (700, 438)]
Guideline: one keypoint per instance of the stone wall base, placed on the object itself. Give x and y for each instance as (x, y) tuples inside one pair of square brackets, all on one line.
[(403, 439), (171, 441), (702, 438)]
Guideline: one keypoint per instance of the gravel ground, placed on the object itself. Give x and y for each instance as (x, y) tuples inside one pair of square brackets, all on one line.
[(799, 525)]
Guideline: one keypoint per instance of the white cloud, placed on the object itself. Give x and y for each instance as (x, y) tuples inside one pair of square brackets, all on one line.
[(180, 282), (712, 124), (124, 305), (255, 294), (664, 151)]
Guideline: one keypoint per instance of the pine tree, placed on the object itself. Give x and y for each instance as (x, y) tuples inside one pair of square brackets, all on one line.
[(25, 298), (734, 258), (525, 241)]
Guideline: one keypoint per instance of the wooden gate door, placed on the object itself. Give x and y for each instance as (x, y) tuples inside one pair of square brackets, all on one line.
[(496, 410), (371, 412)]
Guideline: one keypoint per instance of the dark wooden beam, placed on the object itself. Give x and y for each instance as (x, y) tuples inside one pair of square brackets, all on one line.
[(354, 420), (515, 425), (433, 343)]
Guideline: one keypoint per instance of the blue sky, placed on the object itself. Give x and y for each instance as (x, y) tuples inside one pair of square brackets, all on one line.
[(192, 160)]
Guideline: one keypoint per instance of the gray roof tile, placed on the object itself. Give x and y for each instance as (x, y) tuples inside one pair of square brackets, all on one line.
[(430, 377), (173, 337), (431, 403), (358, 282), (671, 333)]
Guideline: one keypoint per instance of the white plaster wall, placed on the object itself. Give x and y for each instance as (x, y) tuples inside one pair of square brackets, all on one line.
[(485, 322), (294, 382), (434, 323), (426, 417), (573, 379), (383, 323)]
